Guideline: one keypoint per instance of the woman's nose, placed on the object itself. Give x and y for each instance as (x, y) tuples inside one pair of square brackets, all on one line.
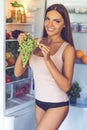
[(51, 23)]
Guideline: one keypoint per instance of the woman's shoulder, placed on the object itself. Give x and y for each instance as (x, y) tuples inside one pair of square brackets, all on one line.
[(69, 46), (69, 49)]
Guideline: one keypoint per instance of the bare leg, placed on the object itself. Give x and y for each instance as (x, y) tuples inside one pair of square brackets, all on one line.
[(39, 114), (52, 118)]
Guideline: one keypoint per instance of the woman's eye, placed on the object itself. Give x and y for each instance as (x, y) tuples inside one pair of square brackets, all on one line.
[(46, 18), (57, 21)]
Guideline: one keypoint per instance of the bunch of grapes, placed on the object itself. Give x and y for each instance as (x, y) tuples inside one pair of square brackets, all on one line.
[(26, 47)]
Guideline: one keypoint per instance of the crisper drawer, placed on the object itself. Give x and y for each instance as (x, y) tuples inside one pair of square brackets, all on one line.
[(18, 88)]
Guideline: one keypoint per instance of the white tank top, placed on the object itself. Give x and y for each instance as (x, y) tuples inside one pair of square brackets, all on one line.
[(46, 89)]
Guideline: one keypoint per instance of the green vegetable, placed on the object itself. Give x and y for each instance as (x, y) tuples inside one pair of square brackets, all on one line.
[(26, 47), (16, 4)]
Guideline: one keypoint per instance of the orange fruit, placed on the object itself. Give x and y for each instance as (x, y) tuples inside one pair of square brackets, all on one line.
[(8, 55), (79, 54), (84, 59), (11, 61)]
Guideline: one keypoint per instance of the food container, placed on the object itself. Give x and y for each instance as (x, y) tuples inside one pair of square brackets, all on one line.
[(14, 14), (23, 18), (74, 27), (81, 10), (82, 27), (71, 9)]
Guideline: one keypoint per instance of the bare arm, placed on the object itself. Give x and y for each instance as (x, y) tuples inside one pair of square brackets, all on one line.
[(62, 79), (19, 70)]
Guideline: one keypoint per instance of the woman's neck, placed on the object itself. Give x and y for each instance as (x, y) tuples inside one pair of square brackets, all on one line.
[(55, 39)]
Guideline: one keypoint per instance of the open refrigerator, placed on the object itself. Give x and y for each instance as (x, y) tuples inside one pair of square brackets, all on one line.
[(17, 110)]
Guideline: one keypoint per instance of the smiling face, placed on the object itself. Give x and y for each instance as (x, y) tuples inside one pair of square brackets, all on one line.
[(54, 23)]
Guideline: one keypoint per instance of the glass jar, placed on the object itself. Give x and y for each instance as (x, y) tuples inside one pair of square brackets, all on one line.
[(23, 18), (82, 27), (74, 27), (16, 14)]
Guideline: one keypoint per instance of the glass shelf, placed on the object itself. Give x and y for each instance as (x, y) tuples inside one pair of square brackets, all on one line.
[(18, 80), (79, 32), (77, 9), (85, 13), (9, 67), (25, 24), (9, 40)]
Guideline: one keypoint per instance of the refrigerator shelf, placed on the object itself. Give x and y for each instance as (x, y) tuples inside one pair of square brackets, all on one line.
[(23, 24), (18, 80), (11, 39), (10, 67)]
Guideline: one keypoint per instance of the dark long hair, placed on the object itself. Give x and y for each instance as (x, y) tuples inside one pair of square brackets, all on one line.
[(66, 32)]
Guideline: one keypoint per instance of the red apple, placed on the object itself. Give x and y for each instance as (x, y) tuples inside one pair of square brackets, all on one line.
[(8, 78), (7, 35)]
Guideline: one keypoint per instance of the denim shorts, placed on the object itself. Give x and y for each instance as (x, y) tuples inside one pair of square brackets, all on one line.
[(47, 105)]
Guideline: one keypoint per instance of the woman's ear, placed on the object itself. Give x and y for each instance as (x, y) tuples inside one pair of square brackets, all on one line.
[(64, 26)]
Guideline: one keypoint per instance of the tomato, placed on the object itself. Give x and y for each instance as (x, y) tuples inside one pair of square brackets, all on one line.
[(8, 78)]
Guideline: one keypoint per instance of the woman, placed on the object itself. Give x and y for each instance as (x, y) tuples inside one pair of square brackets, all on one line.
[(52, 64)]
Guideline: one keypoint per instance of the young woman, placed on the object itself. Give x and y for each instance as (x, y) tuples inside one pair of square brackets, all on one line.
[(52, 64)]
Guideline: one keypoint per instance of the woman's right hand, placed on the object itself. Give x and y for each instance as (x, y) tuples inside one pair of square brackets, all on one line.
[(20, 37)]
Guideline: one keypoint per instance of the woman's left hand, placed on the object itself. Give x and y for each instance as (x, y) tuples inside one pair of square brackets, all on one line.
[(45, 50)]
